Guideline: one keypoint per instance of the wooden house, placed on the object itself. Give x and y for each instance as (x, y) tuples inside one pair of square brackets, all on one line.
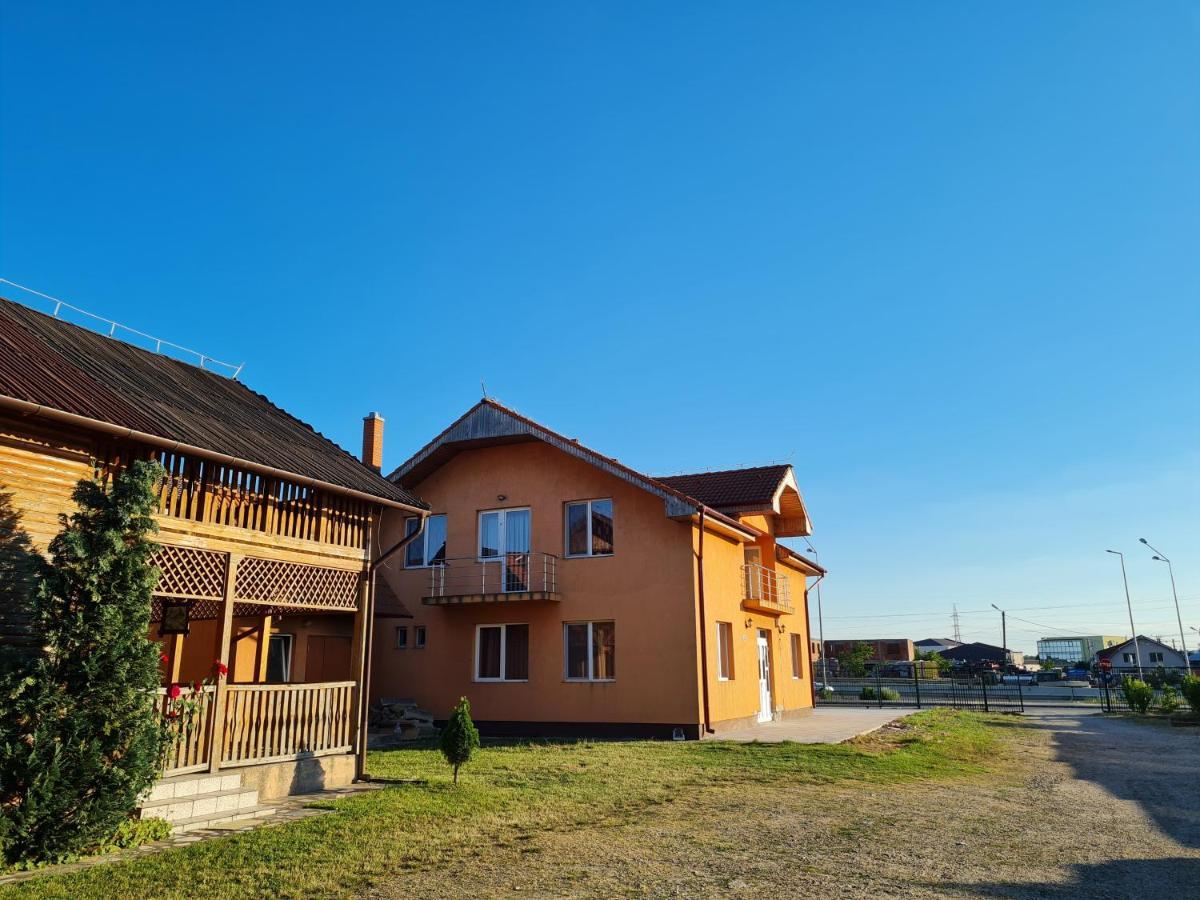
[(268, 534)]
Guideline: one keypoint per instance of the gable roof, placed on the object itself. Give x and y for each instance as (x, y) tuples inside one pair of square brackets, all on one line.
[(1143, 641), (732, 489), (489, 423), (51, 367)]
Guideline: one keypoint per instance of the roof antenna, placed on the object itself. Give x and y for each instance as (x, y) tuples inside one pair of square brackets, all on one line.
[(483, 388)]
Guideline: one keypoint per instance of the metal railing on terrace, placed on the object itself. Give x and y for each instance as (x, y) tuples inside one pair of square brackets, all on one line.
[(509, 573), (765, 589)]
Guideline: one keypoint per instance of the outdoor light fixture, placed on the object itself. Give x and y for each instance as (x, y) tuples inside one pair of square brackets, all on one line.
[(1137, 652), (175, 617), (1158, 555)]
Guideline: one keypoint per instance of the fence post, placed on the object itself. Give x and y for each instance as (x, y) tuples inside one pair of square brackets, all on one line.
[(879, 687), (1020, 694), (1106, 700), (983, 684), (917, 684)]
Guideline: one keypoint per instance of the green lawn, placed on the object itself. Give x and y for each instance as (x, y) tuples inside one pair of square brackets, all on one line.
[(509, 796)]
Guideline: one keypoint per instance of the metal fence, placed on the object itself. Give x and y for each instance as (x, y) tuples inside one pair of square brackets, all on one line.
[(970, 692)]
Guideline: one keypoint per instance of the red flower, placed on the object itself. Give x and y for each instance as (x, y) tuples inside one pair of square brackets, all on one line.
[(196, 686), (174, 691), (163, 658), (220, 668)]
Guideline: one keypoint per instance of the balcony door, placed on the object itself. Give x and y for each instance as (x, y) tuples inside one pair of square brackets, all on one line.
[(504, 540)]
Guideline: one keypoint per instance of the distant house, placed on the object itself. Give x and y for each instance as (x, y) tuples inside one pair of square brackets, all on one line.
[(1151, 652), (936, 645), (1075, 649), (882, 649), (979, 654)]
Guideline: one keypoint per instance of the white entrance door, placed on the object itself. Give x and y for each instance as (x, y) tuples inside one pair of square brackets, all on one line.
[(504, 539), (764, 677)]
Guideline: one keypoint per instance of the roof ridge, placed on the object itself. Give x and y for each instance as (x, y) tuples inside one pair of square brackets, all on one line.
[(727, 471)]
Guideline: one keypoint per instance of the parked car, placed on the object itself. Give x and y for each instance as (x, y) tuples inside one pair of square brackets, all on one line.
[(1076, 674), (1052, 675)]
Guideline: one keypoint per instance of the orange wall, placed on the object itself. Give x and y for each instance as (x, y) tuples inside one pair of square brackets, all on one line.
[(645, 587), (738, 698)]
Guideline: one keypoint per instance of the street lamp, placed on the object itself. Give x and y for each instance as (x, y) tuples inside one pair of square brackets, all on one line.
[(820, 622), (1137, 653), (1003, 634), (1187, 663)]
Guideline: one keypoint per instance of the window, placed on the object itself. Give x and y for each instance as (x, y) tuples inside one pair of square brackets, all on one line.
[(590, 650), (419, 637), (797, 657), (430, 548), (589, 528), (1127, 657), (1156, 657), (401, 637), (502, 653), (724, 651), (279, 659)]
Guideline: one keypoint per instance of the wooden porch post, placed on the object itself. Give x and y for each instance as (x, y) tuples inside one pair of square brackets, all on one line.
[(358, 667), (176, 659), (264, 647), (217, 731)]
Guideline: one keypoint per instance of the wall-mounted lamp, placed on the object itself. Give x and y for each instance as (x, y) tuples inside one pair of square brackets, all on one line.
[(749, 621), (780, 627), (500, 498)]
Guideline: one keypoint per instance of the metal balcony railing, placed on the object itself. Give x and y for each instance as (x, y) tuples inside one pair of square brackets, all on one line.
[(510, 573), (764, 589)]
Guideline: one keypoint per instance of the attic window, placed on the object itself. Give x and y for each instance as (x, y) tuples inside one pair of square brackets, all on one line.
[(589, 528)]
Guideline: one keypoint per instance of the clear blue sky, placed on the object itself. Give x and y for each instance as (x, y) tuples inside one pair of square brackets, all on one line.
[(940, 256)]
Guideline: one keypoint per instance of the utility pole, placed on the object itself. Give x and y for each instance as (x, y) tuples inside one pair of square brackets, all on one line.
[(1003, 634), (1137, 653), (820, 621), (1187, 662)]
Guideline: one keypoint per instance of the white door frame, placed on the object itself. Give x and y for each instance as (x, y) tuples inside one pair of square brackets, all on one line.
[(502, 541), (765, 713)]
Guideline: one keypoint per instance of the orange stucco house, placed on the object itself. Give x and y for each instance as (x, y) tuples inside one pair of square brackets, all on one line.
[(565, 593)]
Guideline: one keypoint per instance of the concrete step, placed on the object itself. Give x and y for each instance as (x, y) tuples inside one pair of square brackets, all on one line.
[(209, 804), (190, 785), (221, 820)]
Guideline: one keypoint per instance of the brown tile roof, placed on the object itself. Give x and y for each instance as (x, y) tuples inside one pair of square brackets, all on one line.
[(64, 367), (732, 489)]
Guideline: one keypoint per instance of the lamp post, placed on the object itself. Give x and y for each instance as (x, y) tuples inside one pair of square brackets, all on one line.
[(1187, 663), (1003, 634), (820, 622), (1137, 653)]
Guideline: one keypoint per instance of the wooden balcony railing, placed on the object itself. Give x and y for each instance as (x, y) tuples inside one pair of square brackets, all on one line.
[(264, 723), (765, 590), (277, 722), (188, 751)]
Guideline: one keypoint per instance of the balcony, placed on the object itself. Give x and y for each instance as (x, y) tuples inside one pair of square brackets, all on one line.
[(765, 591), (505, 579)]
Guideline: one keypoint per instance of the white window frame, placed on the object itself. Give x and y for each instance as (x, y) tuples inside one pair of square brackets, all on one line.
[(590, 679), (424, 542), (419, 637), (720, 642), (503, 535), (503, 626), (567, 528), (401, 630)]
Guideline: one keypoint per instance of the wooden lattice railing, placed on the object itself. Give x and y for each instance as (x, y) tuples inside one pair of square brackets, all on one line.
[(275, 722)]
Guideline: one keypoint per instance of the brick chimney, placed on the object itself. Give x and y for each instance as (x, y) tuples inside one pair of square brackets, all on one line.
[(372, 453)]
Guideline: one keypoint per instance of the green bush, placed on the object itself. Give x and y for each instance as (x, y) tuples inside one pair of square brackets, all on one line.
[(460, 737), (869, 693), (80, 737), (1138, 694), (1169, 702), (1190, 688), (826, 693)]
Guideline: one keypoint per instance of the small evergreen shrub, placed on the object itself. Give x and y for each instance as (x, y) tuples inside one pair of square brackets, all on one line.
[(460, 737), (1169, 702), (80, 734), (1138, 694), (1190, 688), (887, 693)]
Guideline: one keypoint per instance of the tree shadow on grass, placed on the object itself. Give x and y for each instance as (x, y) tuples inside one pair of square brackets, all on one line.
[(1169, 877)]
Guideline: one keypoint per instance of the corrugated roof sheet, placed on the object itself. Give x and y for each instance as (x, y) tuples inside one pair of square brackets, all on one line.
[(53, 363), (732, 489)]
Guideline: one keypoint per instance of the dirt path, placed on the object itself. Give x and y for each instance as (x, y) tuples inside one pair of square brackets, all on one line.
[(1088, 804)]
